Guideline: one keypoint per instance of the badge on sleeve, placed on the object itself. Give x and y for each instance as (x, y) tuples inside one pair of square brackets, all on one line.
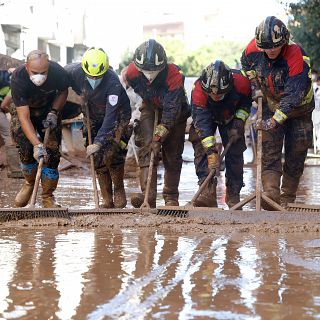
[(113, 99)]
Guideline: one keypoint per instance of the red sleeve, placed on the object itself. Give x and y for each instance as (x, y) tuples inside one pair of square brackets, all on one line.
[(294, 58), (198, 97), (174, 77), (251, 47), (241, 84), (132, 72)]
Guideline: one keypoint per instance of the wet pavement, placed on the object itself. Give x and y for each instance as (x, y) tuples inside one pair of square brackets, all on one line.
[(126, 268)]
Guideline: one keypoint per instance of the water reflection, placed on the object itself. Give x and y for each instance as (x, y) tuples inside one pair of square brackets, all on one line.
[(73, 256), (54, 274)]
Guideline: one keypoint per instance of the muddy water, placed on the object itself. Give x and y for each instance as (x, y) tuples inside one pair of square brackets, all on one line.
[(147, 268), (93, 274)]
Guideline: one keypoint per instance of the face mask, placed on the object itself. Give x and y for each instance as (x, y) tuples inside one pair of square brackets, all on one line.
[(38, 79), (150, 75), (217, 97), (94, 82)]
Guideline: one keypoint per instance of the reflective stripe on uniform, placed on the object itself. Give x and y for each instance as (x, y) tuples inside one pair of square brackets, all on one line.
[(242, 114), (279, 116), (208, 142)]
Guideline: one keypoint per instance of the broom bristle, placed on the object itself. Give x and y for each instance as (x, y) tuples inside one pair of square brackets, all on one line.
[(12, 214)]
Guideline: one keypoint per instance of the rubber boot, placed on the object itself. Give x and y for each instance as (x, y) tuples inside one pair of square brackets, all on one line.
[(29, 171), (170, 190), (117, 174), (49, 182), (105, 183), (208, 197), (137, 199), (232, 195), (289, 189), (271, 187)]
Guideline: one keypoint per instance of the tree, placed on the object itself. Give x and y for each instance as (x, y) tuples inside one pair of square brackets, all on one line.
[(304, 24), (125, 60)]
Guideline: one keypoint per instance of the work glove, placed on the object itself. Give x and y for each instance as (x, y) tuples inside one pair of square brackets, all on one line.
[(39, 151), (92, 148), (51, 120), (257, 93), (237, 130), (213, 161), (161, 132), (266, 125)]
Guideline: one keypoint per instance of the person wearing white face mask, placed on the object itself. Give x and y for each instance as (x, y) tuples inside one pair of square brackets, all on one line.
[(109, 116), (161, 86), (39, 91)]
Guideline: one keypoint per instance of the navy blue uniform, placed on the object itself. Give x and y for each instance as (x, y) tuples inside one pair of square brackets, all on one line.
[(288, 97), (208, 115), (109, 105)]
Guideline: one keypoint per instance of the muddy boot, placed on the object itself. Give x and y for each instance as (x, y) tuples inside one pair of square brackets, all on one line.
[(232, 195), (138, 198), (49, 182), (271, 187), (170, 190), (13, 163), (105, 183), (289, 189), (117, 174), (29, 171), (208, 197)]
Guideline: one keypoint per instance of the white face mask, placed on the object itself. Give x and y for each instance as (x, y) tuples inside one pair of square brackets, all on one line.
[(150, 75), (94, 82), (216, 97), (38, 79)]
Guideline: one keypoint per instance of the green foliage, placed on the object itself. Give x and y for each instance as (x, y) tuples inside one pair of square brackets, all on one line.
[(305, 27), (125, 60), (192, 62)]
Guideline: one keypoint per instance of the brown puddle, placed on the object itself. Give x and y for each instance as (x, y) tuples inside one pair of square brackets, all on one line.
[(130, 274), (153, 267)]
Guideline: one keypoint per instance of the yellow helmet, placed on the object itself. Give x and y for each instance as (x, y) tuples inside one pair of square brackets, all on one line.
[(95, 62)]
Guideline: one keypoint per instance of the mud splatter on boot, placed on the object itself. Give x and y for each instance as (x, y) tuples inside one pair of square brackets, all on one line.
[(49, 182), (29, 171)]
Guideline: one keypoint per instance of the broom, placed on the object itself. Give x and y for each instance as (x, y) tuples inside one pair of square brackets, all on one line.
[(31, 212)]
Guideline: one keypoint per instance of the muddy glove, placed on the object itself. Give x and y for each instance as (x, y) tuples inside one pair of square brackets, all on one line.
[(93, 148), (160, 133), (213, 161), (257, 93), (51, 120), (237, 130), (266, 125), (39, 151)]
